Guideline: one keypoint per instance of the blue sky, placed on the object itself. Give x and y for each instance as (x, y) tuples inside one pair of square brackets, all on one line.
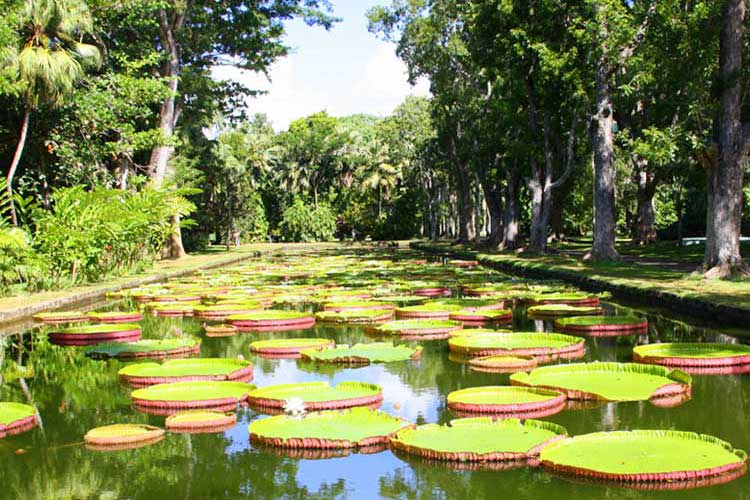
[(345, 70)]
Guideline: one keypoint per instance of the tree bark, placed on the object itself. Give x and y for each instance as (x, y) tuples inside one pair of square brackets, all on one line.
[(602, 141), (161, 154), (14, 165), (723, 218), (492, 198), (645, 223), (512, 210)]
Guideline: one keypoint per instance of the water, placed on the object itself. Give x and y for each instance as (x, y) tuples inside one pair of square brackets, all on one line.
[(74, 394)]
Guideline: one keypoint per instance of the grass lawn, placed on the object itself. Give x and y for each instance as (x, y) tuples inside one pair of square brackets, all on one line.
[(637, 275)]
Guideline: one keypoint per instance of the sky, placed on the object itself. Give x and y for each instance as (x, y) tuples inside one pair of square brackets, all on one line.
[(343, 71)]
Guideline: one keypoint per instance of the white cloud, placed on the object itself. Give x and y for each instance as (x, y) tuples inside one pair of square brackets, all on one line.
[(298, 88)]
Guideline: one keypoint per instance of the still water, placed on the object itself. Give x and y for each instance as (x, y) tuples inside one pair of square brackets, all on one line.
[(74, 394)]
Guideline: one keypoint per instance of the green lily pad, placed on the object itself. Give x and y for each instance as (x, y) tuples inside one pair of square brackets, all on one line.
[(149, 348), (123, 434), (193, 391), (516, 343), (479, 439), (376, 352), (693, 354), (356, 427), (351, 316), (551, 310), (417, 327), (288, 346), (187, 369), (643, 455), (13, 412), (317, 395), (608, 381)]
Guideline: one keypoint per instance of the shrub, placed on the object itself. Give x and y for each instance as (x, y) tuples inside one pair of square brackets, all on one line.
[(304, 223)]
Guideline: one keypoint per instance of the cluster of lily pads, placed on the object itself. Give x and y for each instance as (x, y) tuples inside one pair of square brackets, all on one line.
[(400, 302)]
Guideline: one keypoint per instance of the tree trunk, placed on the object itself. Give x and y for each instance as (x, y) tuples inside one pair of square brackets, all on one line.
[(512, 210), (722, 256), (602, 141), (162, 153), (492, 199), (14, 165), (465, 208), (645, 230)]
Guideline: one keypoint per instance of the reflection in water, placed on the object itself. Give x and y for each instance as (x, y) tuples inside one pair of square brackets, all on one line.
[(74, 394)]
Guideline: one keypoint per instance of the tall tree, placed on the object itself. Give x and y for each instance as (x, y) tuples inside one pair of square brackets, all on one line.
[(725, 177), (50, 60)]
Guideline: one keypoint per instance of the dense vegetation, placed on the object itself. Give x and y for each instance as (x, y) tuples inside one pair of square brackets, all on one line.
[(547, 119)]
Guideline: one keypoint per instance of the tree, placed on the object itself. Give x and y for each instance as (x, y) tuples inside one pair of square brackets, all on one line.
[(50, 60), (725, 177)]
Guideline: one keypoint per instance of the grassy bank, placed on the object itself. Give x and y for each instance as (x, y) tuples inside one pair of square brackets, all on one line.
[(643, 280)]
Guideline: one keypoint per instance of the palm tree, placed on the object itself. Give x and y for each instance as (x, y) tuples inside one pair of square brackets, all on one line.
[(50, 60)]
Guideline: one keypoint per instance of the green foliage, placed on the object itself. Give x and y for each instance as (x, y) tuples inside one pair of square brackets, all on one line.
[(305, 223)]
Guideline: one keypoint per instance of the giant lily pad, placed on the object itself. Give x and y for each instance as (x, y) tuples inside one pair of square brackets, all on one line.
[(200, 421), (479, 439), (376, 352), (355, 316), (570, 298), (288, 347), (602, 326), (643, 456), (699, 358), (16, 418), (555, 310), (357, 305), (61, 317), (355, 427), (272, 320), (544, 345), (123, 436), (179, 370), (432, 311), (608, 381), (316, 395), (482, 316), (96, 334), (115, 316), (219, 312), (420, 328), (203, 394), (147, 348), (515, 401), (503, 363)]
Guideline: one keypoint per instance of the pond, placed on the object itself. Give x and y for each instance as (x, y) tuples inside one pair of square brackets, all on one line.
[(74, 393)]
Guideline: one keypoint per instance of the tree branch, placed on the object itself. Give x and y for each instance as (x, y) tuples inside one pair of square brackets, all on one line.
[(628, 51), (570, 155)]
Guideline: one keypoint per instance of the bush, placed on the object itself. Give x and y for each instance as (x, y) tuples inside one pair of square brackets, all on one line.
[(303, 223), (255, 226), (90, 234)]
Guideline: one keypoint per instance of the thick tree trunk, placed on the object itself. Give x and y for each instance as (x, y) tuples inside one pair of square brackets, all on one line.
[(14, 165), (512, 211), (465, 204), (602, 142), (492, 199), (645, 223), (722, 257)]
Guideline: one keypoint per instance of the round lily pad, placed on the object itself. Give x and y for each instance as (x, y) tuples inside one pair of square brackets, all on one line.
[(272, 320), (608, 381), (356, 316), (376, 352), (16, 418), (352, 428), (699, 358), (219, 312), (474, 303), (643, 456), (479, 439), (546, 346), (115, 316), (570, 298), (61, 317), (420, 328), (200, 421), (555, 310), (403, 299), (483, 316), (203, 394), (121, 436), (602, 326), (96, 334), (316, 395), (179, 370), (288, 347), (522, 402), (503, 363), (357, 305), (172, 309), (220, 330), (147, 348), (431, 311)]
